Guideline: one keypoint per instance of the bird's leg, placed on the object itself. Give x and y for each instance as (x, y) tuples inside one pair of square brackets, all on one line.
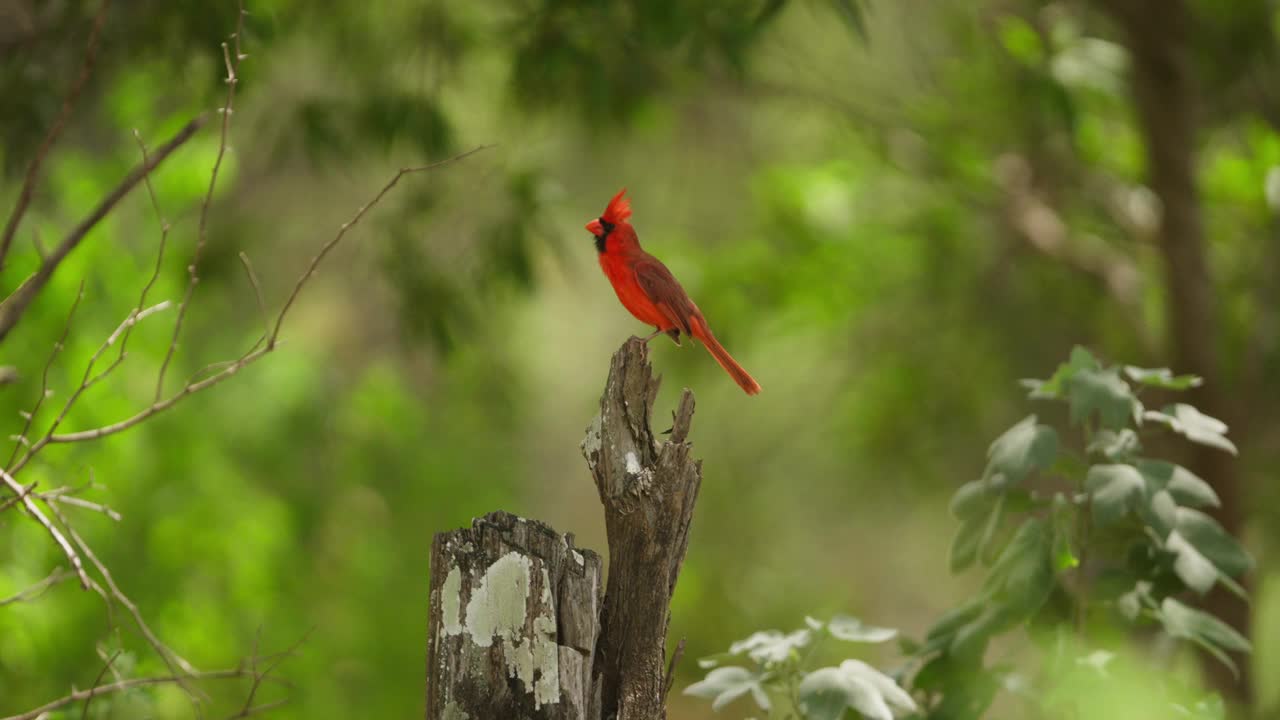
[(652, 335)]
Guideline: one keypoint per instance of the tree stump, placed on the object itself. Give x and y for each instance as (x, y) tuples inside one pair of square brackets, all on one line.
[(648, 490), (517, 625), (513, 623)]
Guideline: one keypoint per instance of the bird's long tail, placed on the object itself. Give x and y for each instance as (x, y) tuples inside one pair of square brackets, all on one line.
[(722, 356)]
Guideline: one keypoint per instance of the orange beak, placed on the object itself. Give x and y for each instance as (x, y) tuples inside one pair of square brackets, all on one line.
[(595, 228)]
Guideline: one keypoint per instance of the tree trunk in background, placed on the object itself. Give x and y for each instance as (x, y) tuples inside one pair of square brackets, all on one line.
[(1163, 83), (517, 627)]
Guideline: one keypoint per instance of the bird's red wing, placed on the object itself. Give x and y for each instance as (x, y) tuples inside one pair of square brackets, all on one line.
[(666, 294)]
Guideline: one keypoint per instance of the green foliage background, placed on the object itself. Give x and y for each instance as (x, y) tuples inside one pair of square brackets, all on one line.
[(831, 181)]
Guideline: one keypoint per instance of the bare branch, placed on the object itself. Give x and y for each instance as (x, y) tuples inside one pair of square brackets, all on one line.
[(44, 377), (34, 511), (58, 575), (202, 235), (164, 240), (66, 499), (234, 367), (84, 712), (87, 381), (80, 695), (175, 662), (16, 304), (315, 262), (257, 293), (68, 104)]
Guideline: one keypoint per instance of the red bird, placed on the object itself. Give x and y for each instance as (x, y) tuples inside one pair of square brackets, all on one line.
[(648, 289)]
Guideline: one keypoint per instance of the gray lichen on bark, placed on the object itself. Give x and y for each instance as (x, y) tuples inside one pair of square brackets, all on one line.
[(518, 625)]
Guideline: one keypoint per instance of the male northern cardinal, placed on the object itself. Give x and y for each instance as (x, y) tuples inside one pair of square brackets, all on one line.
[(648, 289)]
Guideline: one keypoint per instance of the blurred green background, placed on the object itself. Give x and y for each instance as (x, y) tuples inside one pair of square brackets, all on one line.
[(889, 211)]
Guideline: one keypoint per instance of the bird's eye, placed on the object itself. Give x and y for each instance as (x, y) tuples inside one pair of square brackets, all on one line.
[(606, 226)]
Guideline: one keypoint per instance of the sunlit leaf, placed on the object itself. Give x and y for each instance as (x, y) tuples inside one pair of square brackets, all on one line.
[(1185, 486), (771, 646), (1025, 447), (726, 684), (1101, 393), (1114, 491), (843, 627), (1194, 425), (1162, 378)]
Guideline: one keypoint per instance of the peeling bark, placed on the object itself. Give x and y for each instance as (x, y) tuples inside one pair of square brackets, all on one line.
[(648, 490), (513, 623), (518, 626)]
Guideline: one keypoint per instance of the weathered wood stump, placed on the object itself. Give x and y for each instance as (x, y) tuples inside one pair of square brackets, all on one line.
[(518, 626), (514, 623)]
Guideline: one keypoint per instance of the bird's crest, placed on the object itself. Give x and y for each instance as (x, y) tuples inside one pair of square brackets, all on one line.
[(619, 208)]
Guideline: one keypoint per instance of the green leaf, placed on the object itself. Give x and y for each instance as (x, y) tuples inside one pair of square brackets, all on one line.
[(1024, 561), (1114, 491), (1056, 386), (1205, 630), (1020, 40), (951, 621), (851, 629), (1161, 512), (969, 499), (1185, 486), (1101, 392), (1215, 543), (1025, 447), (1114, 445), (770, 646), (1131, 603), (1162, 378), (1194, 426), (964, 549), (826, 692), (1192, 567), (726, 684)]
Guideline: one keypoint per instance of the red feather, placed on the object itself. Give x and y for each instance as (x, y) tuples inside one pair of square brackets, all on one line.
[(619, 208)]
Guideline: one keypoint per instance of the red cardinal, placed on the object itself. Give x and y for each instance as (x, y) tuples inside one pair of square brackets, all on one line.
[(648, 289)]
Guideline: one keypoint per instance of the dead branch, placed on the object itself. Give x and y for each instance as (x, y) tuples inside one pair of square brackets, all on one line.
[(648, 490), (16, 304), (40, 517), (68, 104), (80, 695), (202, 234), (30, 593), (21, 438)]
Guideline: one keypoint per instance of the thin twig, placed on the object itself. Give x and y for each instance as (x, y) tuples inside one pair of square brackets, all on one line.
[(86, 382), (315, 261), (17, 498), (44, 377), (234, 367), (82, 503), (671, 668), (257, 293), (58, 575), (202, 235), (68, 104), (34, 511), (175, 662), (16, 304), (84, 712), (79, 695), (165, 227)]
